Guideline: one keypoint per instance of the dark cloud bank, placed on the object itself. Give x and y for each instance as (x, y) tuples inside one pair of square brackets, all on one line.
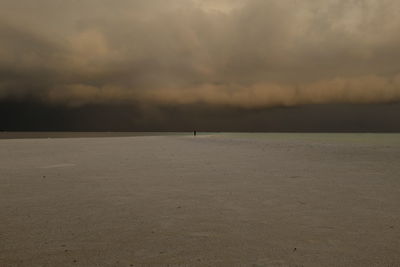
[(244, 65), (31, 115)]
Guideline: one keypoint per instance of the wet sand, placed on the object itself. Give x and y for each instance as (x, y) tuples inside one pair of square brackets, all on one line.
[(199, 201)]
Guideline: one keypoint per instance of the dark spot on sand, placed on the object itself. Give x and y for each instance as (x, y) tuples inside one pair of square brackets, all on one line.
[(161, 252), (179, 207), (75, 261), (44, 176), (391, 227), (63, 245), (295, 249), (66, 250)]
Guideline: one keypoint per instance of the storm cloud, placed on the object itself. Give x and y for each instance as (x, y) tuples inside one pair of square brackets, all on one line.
[(244, 53)]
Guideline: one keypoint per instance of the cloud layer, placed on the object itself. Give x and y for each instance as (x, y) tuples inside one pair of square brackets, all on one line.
[(244, 53)]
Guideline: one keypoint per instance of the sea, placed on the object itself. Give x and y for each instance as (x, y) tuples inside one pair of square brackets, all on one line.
[(353, 138)]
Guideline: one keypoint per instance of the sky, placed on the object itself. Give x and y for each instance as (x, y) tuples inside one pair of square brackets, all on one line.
[(216, 62)]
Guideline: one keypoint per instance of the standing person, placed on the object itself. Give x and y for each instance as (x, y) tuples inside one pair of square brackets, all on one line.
[(194, 133)]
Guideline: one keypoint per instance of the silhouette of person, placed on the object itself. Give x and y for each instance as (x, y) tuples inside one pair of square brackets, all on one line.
[(194, 133)]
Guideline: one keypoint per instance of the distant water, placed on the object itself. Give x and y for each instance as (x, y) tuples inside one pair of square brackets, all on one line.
[(28, 135)]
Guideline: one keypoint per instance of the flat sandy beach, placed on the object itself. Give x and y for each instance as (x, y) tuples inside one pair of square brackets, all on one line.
[(210, 200)]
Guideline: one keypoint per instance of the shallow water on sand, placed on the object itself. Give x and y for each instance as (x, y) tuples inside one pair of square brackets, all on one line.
[(336, 138)]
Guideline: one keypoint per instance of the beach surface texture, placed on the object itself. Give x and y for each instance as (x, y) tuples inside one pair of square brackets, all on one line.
[(209, 200)]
